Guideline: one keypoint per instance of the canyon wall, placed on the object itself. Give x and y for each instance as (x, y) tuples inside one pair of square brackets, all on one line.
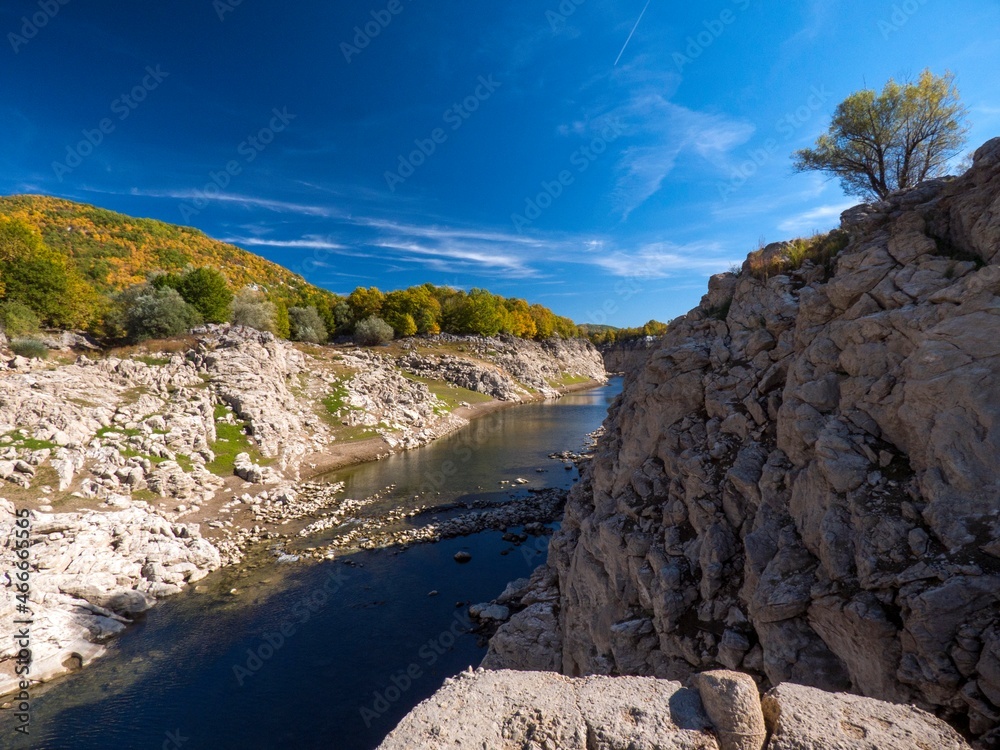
[(628, 356), (803, 482)]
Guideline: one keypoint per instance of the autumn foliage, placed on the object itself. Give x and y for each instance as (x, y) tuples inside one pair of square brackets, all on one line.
[(78, 266)]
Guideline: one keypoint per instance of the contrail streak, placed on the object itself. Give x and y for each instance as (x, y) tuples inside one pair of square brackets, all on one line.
[(632, 34)]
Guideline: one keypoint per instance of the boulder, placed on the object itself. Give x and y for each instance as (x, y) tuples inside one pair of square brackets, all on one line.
[(533, 709), (804, 718)]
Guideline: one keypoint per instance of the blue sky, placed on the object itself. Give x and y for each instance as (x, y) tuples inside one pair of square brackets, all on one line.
[(498, 145)]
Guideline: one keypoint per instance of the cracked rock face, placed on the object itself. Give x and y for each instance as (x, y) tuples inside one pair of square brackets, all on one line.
[(808, 489)]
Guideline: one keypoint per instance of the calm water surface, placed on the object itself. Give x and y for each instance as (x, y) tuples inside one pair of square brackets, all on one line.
[(321, 656)]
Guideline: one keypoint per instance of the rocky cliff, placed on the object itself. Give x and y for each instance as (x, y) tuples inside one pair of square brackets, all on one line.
[(628, 356), (803, 482)]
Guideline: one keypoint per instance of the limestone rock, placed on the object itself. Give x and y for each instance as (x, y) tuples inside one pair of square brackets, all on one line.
[(94, 574), (488, 611), (801, 481), (733, 705), (803, 718), (508, 710)]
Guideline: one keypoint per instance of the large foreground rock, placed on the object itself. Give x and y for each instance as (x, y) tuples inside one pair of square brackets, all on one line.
[(514, 710), (533, 710)]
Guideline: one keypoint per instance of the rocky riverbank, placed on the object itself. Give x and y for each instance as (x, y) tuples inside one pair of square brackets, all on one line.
[(802, 482), (141, 471)]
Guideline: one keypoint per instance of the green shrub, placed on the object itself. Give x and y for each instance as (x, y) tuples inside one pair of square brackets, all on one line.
[(344, 317), (307, 325), (373, 331), (252, 309), (207, 291), (149, 313), (31, 348), (17, 319)]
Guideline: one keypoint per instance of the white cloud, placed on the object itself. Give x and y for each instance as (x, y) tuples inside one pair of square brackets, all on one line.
[(674, 130), (305, 244), (816, 219), (660, 260), (447, 257), (245, 201), (434, 232), (660, 132)]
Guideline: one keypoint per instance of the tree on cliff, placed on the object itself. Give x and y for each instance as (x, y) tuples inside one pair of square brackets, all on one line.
[(881, 142)]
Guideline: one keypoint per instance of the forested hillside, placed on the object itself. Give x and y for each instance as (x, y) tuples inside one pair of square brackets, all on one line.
[(70, 265)]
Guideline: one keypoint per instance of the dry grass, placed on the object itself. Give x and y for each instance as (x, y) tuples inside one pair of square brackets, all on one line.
[(820, 249), (143, 350)]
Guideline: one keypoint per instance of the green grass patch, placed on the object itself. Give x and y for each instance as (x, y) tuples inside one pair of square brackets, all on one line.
[(568, 379), (19, 440), (30, 348), (451, 395), (82, 402), (336, 401), (133, 453), (132, 395), (105, 431), (152, 361), (231, 440), (354, 434)]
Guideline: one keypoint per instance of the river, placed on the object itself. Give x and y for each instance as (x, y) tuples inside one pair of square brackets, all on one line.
[(326, 655)]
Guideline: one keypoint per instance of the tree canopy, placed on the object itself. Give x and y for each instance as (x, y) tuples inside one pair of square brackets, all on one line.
[(607, 335), (33, 275), (881, 142)]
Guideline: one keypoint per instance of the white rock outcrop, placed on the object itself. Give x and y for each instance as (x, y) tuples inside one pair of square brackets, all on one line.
[(90, 574)]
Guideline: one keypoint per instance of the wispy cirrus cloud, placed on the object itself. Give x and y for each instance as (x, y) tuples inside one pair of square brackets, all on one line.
[(815, 219), (661, 260), (445, 249), (243, 201), (308, 243), (437, 232), (450, 257), (670, 131), (658, 132)]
